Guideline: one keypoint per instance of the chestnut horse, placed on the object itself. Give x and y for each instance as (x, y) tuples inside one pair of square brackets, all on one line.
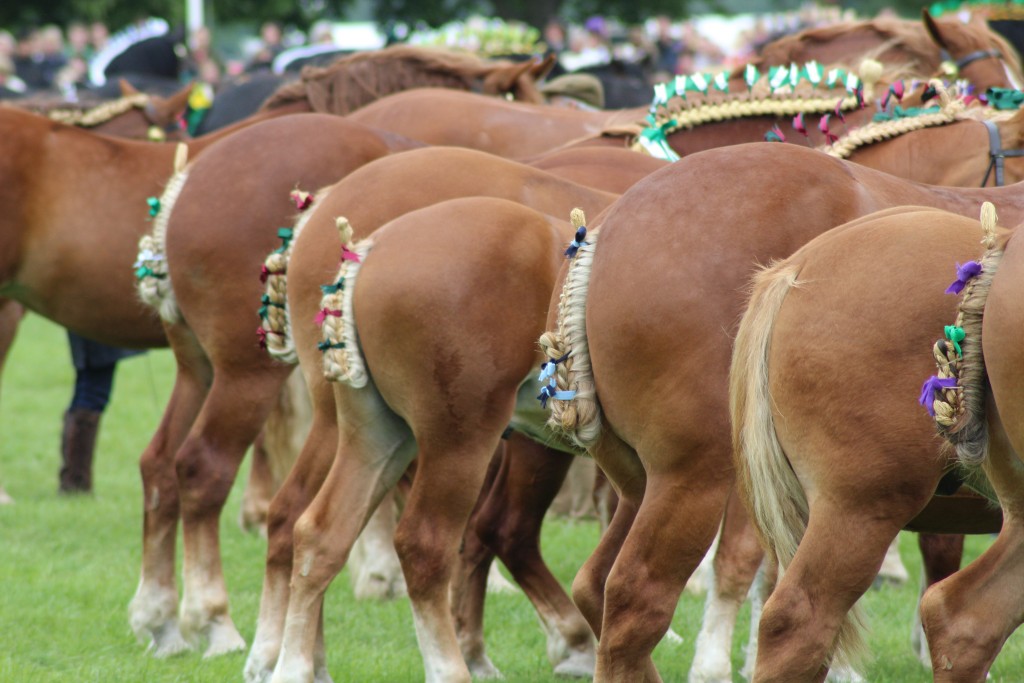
[(837, 489), (650, 429), (479, 269)]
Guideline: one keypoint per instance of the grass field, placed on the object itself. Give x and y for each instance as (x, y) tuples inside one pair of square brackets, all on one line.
[(68, 566)]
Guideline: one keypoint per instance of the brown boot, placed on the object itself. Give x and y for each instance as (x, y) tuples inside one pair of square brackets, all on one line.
[(77, 444)]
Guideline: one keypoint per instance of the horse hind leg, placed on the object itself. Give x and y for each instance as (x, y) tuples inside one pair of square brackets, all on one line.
[(206, 466), (736, 562), (375, 570), (153, 611), (941, 555), (369, 461), (508, 522)]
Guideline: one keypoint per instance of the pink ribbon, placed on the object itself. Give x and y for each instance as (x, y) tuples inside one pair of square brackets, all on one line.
[(798, 124), (348, 255), (830, 137), (302, 199), (322, 315)]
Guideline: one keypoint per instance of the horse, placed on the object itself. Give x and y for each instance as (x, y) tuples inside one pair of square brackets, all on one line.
[(838, 488), (507, 261), (645, 425), (358, 79), (976, 53)]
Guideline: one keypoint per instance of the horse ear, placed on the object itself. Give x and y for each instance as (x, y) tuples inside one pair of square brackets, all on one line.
[(167, 109), (541, 69), (127, 89), (505, 78), (933, 28)]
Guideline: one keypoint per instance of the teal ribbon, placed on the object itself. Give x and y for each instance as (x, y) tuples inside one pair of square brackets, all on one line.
[(333, 289), (154, 206), (899, 112), (325, 345), (286, 235), (145, 271), (1005, 99), (955, 335), (265, 300)]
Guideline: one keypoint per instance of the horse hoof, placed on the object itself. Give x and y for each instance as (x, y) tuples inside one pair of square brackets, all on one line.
[(577, 665), (256, 673), (167, 641), (322, 676), (672, 638), (483, 668), (223, 639)]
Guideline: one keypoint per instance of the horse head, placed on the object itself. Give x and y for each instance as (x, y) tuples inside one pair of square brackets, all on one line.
[(976, 53), (162, 113), (519, 80)]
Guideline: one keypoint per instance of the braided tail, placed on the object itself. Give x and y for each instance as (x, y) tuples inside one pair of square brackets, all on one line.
[(343, 359), (577, 413)]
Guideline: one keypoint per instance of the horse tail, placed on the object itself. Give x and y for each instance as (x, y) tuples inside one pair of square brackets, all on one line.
[(777, 502), (153, 282), (960, 411), (343, 359), (577, 413), (275, 319)]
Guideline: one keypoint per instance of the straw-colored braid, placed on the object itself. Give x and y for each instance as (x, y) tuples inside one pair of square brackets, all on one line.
[(578, 417), (959, 410), (342, 359), (100, 113), (153, 282), (275, 318), (744, 108), (951, 110)]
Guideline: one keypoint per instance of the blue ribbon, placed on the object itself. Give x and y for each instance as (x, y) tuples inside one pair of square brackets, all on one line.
[(578, 242), (932, 385), (548, 369), (549, 390)]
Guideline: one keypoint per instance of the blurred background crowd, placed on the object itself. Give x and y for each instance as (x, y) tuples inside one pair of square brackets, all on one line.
[(81, 56)]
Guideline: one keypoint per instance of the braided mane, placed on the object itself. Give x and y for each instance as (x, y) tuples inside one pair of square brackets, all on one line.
[(88, 115), (354, 81)]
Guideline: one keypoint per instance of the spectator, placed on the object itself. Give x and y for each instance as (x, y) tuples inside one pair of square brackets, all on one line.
[(270, 34)]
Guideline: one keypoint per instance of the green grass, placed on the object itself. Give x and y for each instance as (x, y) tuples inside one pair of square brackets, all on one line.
[(68, 566)]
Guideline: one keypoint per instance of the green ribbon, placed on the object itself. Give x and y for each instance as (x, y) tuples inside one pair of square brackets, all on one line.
[(333, 289), (325, 345), (955, 335), (1005, 99), (145, 271), (899, 112), (286, 235), (265, 300), (154, 206)]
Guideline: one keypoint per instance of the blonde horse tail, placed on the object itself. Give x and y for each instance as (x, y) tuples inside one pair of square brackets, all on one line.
[(777, 502), (275, 330), (153, 282), (960, 410), (343, 359), (575, 410)]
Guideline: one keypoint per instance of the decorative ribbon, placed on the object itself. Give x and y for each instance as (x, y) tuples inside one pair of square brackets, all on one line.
[(349, 255), (154, 206), (324, 312), (774, 135), (267, 303), (333, 289), (955, 335), (286, 238), (964, 274), (261, 336), (302, 199), (548, 369), (266, 273), (655, 143), (798, 124), (147, 255), (146, 271), (750, 76), (327, 345), (578, 242), (1004, 98), (901, 113), (838, 111), (895, 90), (830, 137), (549, 391), (932, 385)]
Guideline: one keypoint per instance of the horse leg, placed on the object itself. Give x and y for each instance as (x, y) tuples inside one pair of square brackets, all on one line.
[(676, 522), (893, 570), (374, 567), (621, 465), (509, 521), (259, 489), (291, 500), (370, 458), (940, 557), (154, 608), (736, 562), (836, 562), (11, 313), (206, 465), (968, 616)]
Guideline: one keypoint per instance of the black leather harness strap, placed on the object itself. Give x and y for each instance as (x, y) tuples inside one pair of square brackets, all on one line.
[(976, 55), (997, 155)]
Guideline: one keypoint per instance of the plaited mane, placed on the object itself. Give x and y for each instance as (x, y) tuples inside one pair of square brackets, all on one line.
[(87, 115), (357, 80)]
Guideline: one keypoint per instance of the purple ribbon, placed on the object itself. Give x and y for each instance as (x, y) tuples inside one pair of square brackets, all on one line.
[(928, 389), (964, 274)]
